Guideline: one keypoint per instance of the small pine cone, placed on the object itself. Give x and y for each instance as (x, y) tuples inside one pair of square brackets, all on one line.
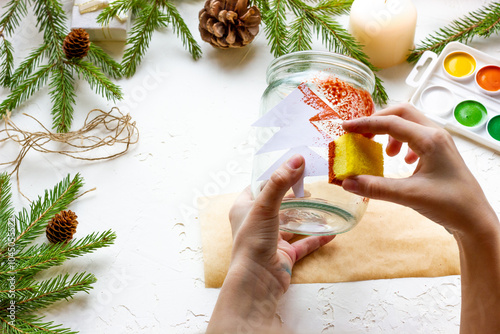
[(62, 227), (76, 44), (229, 23)]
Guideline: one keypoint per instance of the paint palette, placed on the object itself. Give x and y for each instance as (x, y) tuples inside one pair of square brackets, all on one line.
[(460, 90)]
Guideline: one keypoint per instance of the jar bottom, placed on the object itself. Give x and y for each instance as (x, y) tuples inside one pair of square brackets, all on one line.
[(313, 218)]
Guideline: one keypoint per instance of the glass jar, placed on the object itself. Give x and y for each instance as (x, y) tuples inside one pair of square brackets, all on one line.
[(321, 208)]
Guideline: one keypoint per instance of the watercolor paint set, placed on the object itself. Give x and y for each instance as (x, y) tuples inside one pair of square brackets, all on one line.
[(460, 90)]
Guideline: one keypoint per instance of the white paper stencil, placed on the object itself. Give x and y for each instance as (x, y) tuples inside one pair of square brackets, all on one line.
[(297, 134)]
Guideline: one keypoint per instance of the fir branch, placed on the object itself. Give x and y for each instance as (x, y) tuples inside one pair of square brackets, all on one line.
[(6, 62), (300, 34), (32, 266), (275, 27), (55, 289), (96, 79), (333, 7), (146, 23), (101, 59), (115, 8), (379, 93), (17, 282), (40, 257), (6, 209), (62, 95), (51, 20), (27, 67), (31, 224), (181, 30), (12, 17), (262, 4), (32, 324), (26, 89), (73, 248), (491, 22), (482, 22)]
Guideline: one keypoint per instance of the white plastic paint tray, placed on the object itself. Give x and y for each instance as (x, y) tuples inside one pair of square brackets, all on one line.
[(429, 77)]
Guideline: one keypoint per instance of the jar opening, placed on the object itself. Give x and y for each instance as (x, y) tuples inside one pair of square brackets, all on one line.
[(321, 61)]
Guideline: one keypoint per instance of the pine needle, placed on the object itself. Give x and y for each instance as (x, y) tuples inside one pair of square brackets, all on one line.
[(101, 59), (301, 35), (148, 20), (34, 324), (275, 27), (55, 289), (6, 210), (96, 79), (182, 30), (16, 10), (480, 23), (6, 62), (51, 20), (25, 90), (62, 95), (26, 68)]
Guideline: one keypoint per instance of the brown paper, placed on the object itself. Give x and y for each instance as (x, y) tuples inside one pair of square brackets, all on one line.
[(391, 241)]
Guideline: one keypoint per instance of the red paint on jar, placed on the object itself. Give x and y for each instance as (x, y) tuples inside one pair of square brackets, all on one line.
[(347, 103), (488, 78)]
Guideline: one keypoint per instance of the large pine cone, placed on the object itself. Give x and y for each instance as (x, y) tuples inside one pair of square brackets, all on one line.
[(229, 23), (62, 227), (76, 44)]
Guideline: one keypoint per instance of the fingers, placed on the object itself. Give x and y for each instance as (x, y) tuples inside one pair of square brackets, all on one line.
[(408, 112), (411, 156), (269, 200), (306, 246), (404, 123), (416, 135), (377, 187), (393, 147)]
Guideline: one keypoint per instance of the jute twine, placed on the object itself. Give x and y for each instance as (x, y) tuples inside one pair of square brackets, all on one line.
[(119, 130)]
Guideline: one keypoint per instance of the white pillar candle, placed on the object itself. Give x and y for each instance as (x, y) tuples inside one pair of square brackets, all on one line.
[(385, 28)]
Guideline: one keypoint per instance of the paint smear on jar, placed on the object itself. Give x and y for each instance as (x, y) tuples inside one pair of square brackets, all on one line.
[(459, 64), (488, 78)]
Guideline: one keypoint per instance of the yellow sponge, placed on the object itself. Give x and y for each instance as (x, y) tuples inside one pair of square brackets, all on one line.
[(354, 154)]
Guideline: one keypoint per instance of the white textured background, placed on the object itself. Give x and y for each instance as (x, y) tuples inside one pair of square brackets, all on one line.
[(194, 119)]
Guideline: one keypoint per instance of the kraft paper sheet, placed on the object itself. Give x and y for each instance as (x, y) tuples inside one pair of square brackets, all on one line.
[(391, 241)]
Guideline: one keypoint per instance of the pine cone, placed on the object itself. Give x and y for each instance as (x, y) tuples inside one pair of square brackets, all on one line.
[(229, 23), (62, 227), (76, 44)]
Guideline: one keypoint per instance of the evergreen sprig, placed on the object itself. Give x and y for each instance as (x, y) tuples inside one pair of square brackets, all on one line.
[(290, 24), (21, 259), (150, 15), (6, 62), (16, 10), (483, 22), (47, 63)]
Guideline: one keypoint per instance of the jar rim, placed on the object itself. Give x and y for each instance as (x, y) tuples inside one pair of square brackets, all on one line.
[(322, 57)]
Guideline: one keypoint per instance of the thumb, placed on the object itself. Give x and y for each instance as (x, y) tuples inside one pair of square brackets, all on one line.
[(281, 180), (377, 187)]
